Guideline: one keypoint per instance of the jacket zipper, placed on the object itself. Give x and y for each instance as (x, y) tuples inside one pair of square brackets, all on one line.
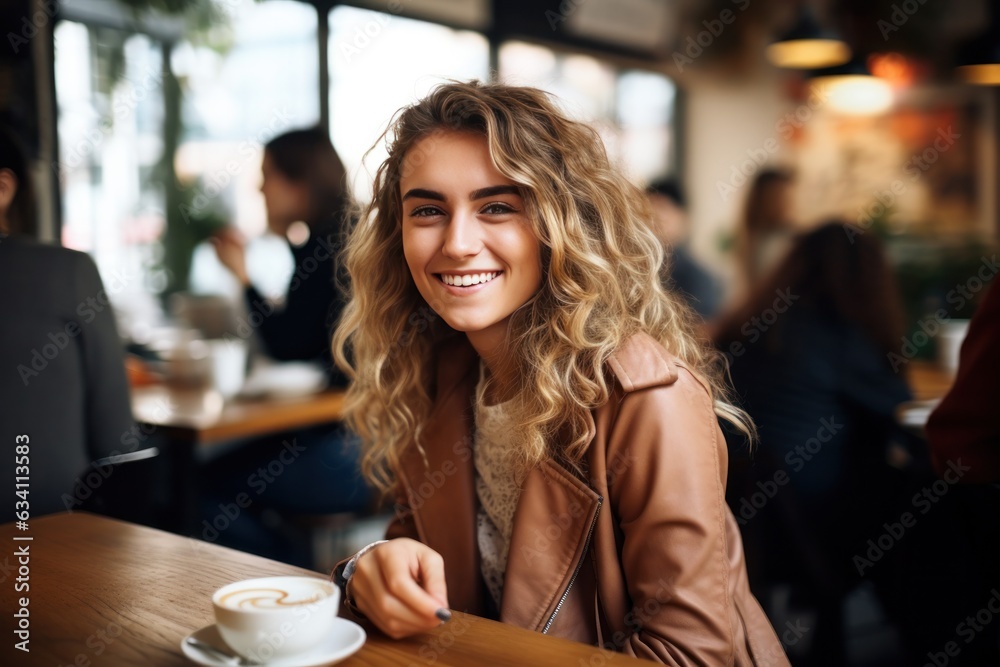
[(579, 564)]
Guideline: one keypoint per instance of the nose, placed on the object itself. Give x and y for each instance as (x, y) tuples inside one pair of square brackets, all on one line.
[(463, 237)]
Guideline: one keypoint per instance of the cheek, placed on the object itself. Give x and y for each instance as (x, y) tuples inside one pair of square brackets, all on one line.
[(415, 255), (528, 256)]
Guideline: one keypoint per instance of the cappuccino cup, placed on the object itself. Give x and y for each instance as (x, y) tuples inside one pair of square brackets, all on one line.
[(275, 617)]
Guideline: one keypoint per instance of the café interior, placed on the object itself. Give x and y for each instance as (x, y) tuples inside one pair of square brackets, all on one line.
[(183, 146)]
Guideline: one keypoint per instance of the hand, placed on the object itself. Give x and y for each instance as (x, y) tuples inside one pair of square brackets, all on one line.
[(399, 586), (229, 248)]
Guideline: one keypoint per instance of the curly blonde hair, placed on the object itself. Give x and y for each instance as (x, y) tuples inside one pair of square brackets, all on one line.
[(601, 263)]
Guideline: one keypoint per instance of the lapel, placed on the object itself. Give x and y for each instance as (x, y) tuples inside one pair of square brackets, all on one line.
[(553, 523)]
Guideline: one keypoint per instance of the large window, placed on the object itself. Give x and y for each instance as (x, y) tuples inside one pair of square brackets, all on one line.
[(252, 78)]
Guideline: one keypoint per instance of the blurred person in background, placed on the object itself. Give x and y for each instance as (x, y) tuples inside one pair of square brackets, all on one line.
[(305, 192), (809, 357), (64, 398), (696, 285), (964, 428), (304, 181), (767, 227)]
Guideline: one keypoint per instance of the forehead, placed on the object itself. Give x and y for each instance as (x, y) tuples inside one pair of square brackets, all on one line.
[(449, 158)]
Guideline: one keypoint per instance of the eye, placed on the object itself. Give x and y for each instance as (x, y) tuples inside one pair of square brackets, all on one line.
[(425, 212), (498, 208)]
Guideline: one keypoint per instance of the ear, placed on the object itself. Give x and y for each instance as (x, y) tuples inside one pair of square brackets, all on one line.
[(8, 188)]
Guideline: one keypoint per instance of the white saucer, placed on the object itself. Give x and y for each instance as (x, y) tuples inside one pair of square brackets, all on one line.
[(290, 379), (345, 639)]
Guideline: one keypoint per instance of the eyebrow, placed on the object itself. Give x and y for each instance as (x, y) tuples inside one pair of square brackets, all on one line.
[(494, 190), (420, 193), (491, 191)]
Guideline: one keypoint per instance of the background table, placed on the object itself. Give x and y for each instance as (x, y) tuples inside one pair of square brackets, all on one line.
[(928, 381), (191, 419), (110, 594), (929, 384), (201, 416)]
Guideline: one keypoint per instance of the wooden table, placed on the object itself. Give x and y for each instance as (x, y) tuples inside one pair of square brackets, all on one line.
[(201, 416), (928, 383), (107, 593)]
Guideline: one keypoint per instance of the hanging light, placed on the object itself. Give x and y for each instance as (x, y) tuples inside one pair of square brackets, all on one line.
[(808, 46), (851, 89), (979, 60)]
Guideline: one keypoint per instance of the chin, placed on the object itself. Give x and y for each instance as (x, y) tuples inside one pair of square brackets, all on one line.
[(464, 326)]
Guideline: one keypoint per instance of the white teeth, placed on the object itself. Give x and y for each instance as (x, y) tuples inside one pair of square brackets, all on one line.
[(468, 279)]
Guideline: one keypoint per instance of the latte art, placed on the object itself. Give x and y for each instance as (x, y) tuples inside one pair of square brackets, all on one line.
[(270, 598)]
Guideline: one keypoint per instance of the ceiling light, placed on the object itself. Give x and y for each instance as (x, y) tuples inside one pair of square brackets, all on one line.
[(850, 89), (808, 46), (979, 60)]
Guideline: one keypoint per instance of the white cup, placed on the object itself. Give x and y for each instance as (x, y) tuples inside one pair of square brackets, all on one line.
[(949, 343), (275, 617), (229, 365)]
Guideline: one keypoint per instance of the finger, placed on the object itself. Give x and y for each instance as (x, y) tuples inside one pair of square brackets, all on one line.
[(402, 581), (389, 613), (431, 576)]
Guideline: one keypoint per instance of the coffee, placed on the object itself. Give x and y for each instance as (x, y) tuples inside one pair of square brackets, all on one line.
[(273, 597)]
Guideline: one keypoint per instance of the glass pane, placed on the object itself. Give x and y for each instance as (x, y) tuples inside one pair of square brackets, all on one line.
[(110, 126), (584, 86), (236, 98), (646, 114), (631, 110), (379, 63)]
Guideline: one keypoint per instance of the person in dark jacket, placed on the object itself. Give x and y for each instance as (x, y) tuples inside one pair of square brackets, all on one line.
[(699, 288), (65, 417), (304, 181)]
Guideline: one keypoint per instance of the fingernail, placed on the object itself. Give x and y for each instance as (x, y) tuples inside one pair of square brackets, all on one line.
[(443, 614)]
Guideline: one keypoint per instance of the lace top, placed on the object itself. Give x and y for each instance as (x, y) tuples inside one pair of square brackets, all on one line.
[(498, 487)]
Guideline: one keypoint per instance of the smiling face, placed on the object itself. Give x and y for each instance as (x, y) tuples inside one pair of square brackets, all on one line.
[(467, 241)]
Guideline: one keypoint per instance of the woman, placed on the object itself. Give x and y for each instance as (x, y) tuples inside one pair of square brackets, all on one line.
[(303, 181), (511, 348), (768, 228)]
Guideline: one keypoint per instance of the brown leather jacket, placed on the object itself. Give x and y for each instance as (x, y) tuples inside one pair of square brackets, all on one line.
[(645, 558)]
